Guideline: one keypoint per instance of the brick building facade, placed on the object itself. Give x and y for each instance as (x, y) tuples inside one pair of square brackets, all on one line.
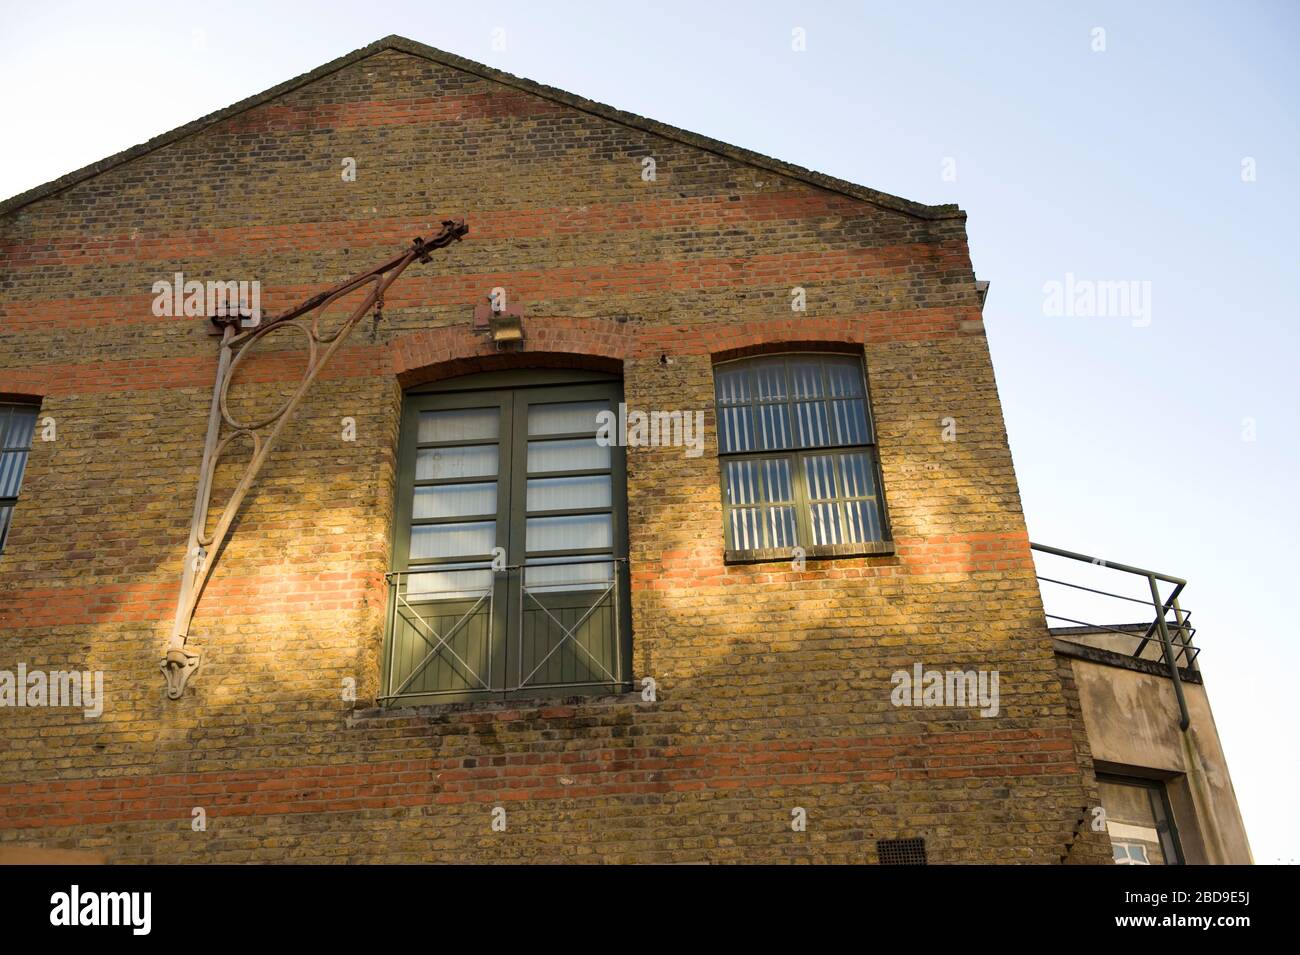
[(772, 676)]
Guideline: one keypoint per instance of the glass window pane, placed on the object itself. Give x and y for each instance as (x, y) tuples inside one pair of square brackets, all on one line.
[(780, 525), (745, 528), (806, 378), (850, 421), (776, 479), (858, 475), (569, 575), (455, 500), (825, 523), (6, 514), (754, 481), (11, 472), (460, 424), (819, 471), (577, 454), (448, 584), (453, 540), (773, 427), (21, 424), (578, 532), (743, 482), (812, 427), (844, 377), (566, 418), (445, 463), (732, 384), (755, 528), (769, 379), (735, 429), (559, 494), (862, 522)]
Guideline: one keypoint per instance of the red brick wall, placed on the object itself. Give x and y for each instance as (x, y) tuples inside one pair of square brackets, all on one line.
[(774, 685)]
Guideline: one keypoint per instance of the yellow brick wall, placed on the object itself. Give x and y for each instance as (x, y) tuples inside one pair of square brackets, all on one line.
[(774, 685)]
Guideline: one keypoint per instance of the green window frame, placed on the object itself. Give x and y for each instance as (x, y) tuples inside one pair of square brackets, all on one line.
[(509, 556), (797, 458), (17, 426)]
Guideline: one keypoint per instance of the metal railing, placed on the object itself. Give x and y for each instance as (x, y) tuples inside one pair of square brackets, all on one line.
[(508, 631), (1174, 635)]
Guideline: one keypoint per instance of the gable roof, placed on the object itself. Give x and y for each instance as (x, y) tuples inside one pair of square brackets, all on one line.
[(401, 44)]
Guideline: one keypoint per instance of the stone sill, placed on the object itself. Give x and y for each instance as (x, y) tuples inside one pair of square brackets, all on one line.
[(496, 708), (822, 552)]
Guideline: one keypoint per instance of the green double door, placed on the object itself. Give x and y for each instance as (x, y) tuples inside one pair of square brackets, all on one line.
[(510, 574)]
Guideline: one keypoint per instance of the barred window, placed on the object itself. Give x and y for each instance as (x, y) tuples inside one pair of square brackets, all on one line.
[(17, 423), (797, 454)]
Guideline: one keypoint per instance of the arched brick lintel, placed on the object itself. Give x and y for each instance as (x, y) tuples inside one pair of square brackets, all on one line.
[(441, 353), (746, 339), (778, 345)]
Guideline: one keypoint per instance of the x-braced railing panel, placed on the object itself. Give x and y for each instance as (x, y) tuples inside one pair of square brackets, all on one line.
[(564, 633), (569, 633)]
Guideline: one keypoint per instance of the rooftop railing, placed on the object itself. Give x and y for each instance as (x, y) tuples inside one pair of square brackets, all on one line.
[(1164, 632)]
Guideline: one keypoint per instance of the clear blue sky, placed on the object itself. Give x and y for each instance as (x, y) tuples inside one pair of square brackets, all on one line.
[(1117, 165)]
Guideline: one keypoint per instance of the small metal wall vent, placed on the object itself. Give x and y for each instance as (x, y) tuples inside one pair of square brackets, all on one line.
[(901, 851)]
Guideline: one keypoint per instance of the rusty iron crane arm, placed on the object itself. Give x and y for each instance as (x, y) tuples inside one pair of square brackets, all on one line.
[(179, 662)]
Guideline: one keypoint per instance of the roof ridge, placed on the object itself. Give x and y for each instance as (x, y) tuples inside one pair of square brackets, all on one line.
[(404, 45)]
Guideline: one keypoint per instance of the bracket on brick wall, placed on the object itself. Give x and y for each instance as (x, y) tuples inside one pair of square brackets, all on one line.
[(180, 662)]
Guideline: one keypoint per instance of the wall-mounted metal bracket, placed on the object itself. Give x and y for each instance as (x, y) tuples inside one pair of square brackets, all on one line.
[(177, 666), (179, 662)]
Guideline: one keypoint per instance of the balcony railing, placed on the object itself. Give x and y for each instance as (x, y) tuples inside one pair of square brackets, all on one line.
[(475, 632), (1163, 633)]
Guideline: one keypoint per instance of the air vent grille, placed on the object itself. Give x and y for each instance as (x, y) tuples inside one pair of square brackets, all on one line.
[(901, 851)]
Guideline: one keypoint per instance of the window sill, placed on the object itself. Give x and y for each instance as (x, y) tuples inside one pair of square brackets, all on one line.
[(822, 552), (530, 706)]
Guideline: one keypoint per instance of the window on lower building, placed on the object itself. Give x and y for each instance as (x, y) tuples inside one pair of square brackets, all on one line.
[(1139, 821), (17, 424), (797, 452), (509, 574)]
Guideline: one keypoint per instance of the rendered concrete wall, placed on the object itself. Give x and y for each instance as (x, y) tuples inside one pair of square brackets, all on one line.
[(1132, 723)]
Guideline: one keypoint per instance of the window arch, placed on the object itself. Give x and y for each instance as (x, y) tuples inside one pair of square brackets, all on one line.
[(797, 457)]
